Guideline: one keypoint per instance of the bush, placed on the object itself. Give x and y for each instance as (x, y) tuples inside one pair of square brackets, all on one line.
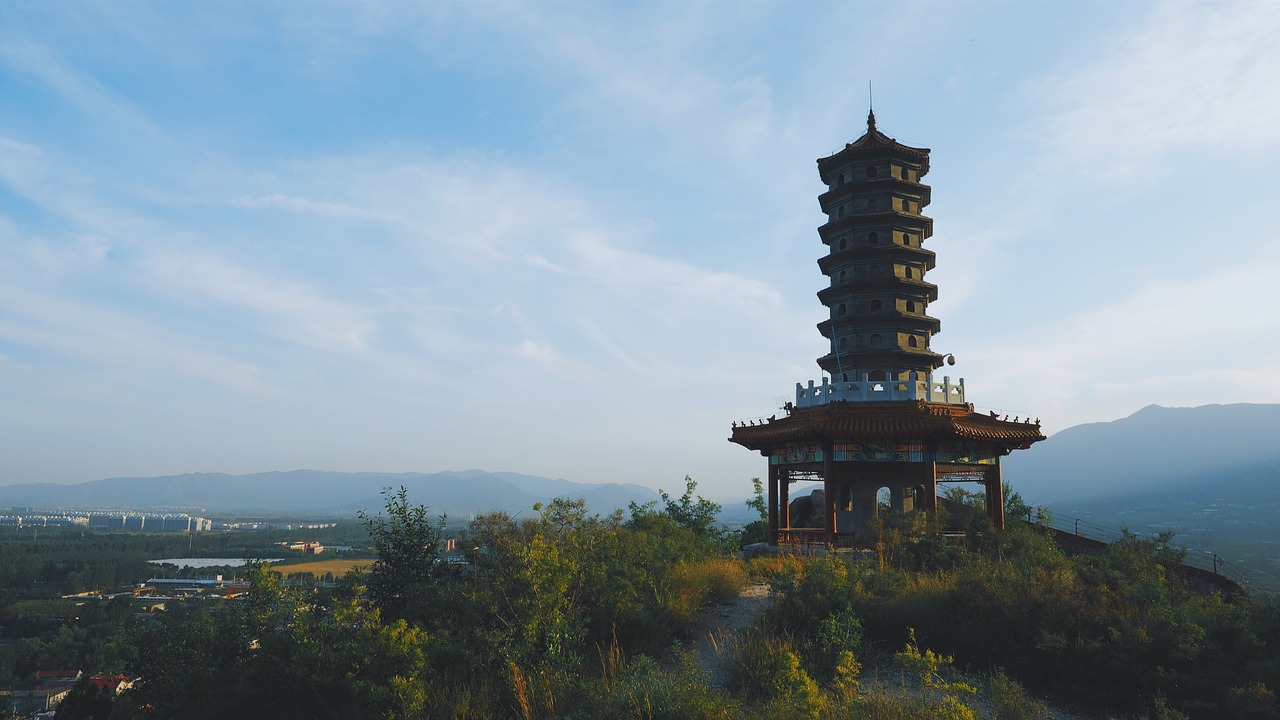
[(1009, 701), (640, 689), (767, 668)]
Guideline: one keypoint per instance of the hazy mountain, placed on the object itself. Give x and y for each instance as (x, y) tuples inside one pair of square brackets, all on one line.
[(1155, 449), (456, 493)]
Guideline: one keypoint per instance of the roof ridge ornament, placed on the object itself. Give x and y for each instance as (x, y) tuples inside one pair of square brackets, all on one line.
[(871, 111)]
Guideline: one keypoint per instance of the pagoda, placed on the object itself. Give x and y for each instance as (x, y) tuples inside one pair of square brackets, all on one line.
[(879, 419)]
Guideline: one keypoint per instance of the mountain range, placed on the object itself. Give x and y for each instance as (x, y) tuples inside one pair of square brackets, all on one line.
[(1214, 453), (456, 493), (1157, 449), (1210, 475)]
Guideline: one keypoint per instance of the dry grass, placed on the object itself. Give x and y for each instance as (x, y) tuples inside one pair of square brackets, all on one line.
[(320, 567)]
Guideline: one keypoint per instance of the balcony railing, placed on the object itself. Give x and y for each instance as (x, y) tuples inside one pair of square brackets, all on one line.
[(866, 390)]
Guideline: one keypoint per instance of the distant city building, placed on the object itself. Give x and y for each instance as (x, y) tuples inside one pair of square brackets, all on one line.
[(32, 519), (149, 522)]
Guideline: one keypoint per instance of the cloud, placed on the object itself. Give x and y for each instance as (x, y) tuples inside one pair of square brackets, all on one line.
[(1209, 339), (1196, 77), (303, 205), (545, 264), (106, 342), (288, 309), (79, 89)]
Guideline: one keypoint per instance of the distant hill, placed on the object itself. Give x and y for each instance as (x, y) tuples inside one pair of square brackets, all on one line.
[(457, 493), (1210, 474), (1155, 449)]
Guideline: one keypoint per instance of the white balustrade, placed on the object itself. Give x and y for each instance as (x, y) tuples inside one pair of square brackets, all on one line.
[(866, 390)]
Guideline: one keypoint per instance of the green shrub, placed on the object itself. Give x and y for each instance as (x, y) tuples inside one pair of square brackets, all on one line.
[(640, 689), (1009, 701)]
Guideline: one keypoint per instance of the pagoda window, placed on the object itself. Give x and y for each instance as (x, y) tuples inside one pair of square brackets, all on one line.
[(840, 180), (841, 211), (843, 243), (872, 204), (871, 171), (912, 342), (876, 340), (841, 310), (842, 277), (875, 271), (843, 343), (878, 374), (873, 238)]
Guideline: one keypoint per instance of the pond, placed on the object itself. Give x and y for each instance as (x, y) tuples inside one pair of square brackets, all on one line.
[(208, 562)]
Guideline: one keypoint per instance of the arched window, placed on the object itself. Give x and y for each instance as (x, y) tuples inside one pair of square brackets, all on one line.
[(844, 377), (843, 343), (842, 276), (878, 375), (872, 172), (841, 310), (875, 271), (873, 238), (876, 340), (840, 180), (875, 305), (872, 204), (843, 243), (912, 342)]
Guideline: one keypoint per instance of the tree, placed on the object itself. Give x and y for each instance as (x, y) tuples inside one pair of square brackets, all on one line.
[(695, 513), (85, 702), (757, 530), (408, 546)]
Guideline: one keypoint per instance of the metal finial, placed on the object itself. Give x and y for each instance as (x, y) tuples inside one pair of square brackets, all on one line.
[(871, 109)]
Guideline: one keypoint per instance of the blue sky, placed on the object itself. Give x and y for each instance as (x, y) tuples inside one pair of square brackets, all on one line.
[(579, 239)]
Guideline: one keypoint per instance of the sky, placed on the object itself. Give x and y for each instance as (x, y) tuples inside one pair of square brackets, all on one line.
[(579, 240)]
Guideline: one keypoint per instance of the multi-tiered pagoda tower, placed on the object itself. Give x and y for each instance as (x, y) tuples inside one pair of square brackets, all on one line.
[(878, 419)]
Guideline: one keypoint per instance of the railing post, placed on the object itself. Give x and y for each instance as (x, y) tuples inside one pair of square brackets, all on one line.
[(1077, 526)]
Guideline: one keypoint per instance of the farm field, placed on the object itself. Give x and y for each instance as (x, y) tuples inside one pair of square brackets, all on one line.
[(320, 567)]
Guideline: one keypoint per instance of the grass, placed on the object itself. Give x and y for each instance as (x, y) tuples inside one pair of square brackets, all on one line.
[(320, 567)]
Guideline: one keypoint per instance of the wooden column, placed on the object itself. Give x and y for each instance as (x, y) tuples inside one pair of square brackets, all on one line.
[(772, 536), (784, 495), (995, 496), (829, 492), (930, 499)]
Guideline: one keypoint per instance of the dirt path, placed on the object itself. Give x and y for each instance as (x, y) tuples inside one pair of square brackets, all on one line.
[(722, 623)]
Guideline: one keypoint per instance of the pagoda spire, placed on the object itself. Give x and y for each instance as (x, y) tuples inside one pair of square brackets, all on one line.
[(871, 111)]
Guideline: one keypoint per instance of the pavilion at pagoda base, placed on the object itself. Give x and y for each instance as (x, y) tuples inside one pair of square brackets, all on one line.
[(858, 450)]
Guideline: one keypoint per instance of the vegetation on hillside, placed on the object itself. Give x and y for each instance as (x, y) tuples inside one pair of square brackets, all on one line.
[(567, 614)]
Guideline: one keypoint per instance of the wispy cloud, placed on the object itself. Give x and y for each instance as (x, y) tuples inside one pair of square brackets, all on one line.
[(1197, 77), (304, 205)]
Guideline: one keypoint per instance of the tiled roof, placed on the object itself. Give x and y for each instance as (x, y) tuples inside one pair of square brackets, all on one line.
[(875, 140), (886, 421)]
